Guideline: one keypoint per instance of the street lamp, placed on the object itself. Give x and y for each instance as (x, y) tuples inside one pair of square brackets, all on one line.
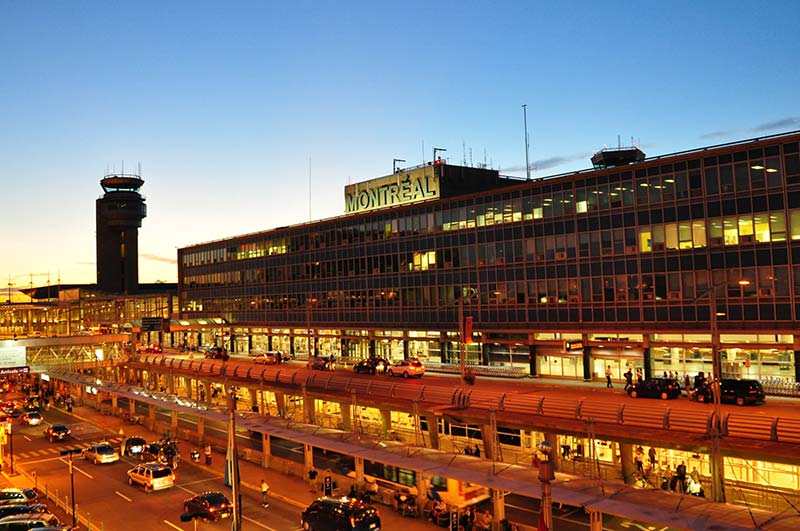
[(547, 474), (717, 464), (72, 481)]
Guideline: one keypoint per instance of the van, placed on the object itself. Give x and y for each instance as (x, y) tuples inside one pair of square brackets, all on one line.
[(151, 476)]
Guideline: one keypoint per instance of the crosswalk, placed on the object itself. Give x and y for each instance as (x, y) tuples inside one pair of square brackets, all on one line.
[(55, 449)]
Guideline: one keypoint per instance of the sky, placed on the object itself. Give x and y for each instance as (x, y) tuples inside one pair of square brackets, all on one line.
[(246, 116)]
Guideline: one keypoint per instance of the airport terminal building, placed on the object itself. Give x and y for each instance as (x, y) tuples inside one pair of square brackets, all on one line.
[(675, 263)]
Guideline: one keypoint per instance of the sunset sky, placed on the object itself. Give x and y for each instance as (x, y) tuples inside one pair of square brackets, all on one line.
[(246, 116)]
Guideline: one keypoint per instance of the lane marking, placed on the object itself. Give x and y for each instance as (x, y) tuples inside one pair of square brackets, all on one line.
[(27, 438), (173, 526), (118, 493), (259, 524)]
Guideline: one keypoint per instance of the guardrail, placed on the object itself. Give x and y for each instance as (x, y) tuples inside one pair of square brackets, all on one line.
[(699, 421)]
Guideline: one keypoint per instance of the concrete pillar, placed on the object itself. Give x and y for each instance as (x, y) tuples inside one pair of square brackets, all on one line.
[(151, 415), (171, 382), (433, 430), (595, 520), (280, 402), (422, 488), (254, 400), (201, 429), (405, 349), (131, 407), (360, 470), (498, 508), (308, 407), (628, 465), (532, 360), (266, 452), (587, 363), (308, 454), (114, 400), (346, 412), (648, 364), (488, 436), (386, 421)]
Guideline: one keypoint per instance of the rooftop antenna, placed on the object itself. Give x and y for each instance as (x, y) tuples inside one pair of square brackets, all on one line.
[(423, 152), (619, 143), (464, 153), (122, 171), (470, 157), (527, 144), (139, 169), (309, 188)]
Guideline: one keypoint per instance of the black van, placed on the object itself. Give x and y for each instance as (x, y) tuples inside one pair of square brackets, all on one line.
[(739, 392), (340, 514)]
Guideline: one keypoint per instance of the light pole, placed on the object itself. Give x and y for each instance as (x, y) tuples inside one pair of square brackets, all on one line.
[(717, 462), (72, 481), (436, 150), (394, 164), (11, 446), (547, 474)]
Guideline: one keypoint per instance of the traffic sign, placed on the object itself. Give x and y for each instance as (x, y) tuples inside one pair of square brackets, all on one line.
[(152, 324)]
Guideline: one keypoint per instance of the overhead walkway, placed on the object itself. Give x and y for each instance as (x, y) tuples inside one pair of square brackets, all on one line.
[(650, 505)]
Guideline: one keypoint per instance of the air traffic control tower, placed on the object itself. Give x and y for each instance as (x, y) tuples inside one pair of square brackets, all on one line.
[(119, 215)]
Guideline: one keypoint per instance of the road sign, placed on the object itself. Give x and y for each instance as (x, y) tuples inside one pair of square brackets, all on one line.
[(15, 370), (152, 324)]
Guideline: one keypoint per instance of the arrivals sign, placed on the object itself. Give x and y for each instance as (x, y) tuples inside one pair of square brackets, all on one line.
[(401, 188), (12, 357)]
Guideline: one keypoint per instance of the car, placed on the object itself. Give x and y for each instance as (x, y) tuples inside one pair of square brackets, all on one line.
[(56, 432), (12, 509), (101, 453), (371, 366), (133, 446), (151, 476), (32, 419), (735, 391), (323, 363), (217, 353), (155, 348), (340, 514), (212, 505), (14, 496), (267, 358), (406, 369), (18, 522), (663, 388)]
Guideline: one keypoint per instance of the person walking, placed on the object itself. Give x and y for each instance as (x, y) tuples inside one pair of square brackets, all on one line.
[(652, 457), (687, 383), (638, 458), (476, 451), (207, 451), (264, 493), (608, 377), (628, 378), (639, 375)]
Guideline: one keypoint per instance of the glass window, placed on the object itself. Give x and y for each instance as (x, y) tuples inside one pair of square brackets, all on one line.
[(777, 223), (699, 233), (773, 169), (761, 227), (671, 235), (730, 230), (794, 223), (645, 239)]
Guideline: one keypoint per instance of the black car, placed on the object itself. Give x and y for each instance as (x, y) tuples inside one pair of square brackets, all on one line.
[(217, 353), (210, 505), (371, 366), (663, 388), (739, 392), (340, 514), (134, 446), (56, 432), (10, 510)]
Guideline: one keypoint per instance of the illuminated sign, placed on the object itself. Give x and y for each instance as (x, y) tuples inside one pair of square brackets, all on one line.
[(398, 189), (11, 357)]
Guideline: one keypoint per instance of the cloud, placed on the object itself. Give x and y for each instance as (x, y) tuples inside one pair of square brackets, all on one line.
[(155, 258), (784, 123), (719, 134), (551, 162)]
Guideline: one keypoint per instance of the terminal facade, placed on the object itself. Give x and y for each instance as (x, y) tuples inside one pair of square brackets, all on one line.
[(674, 264)]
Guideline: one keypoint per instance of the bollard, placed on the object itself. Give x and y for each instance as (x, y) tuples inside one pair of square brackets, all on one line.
[(89, 521)]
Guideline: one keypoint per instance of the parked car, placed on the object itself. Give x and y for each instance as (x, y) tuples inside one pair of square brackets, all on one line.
[(663, 388), (12, 509), (217, 353), (211, 505), (267, 358), (101, 453), (739, 392), (56, 432), (151, 476), (406, 369), (14, 496), (340, 514), (32, 419), (323, 363), (371, 366), (133, 446), (18, 522)]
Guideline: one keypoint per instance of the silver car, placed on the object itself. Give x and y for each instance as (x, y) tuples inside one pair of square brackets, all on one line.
[(101, 453)]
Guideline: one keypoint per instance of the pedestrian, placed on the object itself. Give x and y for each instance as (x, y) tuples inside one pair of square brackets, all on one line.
[(353, 494), (680, 473), (468, 450), (652, 457), (477, 451), (638, 458), (202, 394), (264, 493), (207, 451), (628, 378), (687, 383), (312, 479), (639, 376), (608, 377)]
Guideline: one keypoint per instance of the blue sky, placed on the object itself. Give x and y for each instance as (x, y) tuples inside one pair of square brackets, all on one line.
[(233, 108)]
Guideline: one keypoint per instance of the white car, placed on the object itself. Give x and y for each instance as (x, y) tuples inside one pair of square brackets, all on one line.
[(101, 453), (406, 369), (32, 419)]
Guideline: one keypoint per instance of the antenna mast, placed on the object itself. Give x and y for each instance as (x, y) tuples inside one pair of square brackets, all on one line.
[(527, 144)]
